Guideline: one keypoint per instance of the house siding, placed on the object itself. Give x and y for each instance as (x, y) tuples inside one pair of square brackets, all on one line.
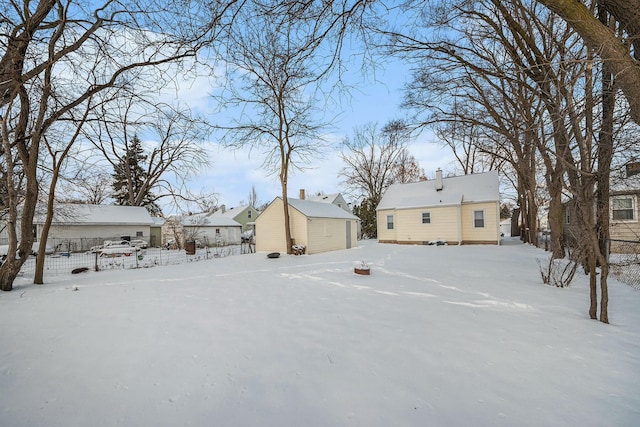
[(329, 234), (443, 225), (490, 233), (385, 235), (207, 235), (317, 234), (270, 235), (93, 231)]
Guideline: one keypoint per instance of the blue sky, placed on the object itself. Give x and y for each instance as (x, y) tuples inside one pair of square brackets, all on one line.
[(232, 173)]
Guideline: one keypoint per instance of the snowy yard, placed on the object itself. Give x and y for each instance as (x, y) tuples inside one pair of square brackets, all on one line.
[(435, 336)]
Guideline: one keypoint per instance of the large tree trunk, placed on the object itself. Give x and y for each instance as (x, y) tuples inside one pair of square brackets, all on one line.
[(604, 42)]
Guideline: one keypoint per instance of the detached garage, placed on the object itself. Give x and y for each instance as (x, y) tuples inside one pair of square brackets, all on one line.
[(321, 227)]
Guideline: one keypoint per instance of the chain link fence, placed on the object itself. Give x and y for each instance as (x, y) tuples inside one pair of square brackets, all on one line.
[(62, 263), (624, 261), (623, 256)]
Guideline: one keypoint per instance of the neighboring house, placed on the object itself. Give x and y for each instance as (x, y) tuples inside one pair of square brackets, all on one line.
[(320, 227), (244, 215), (335, 199), (156, 232), (624, 211), (457, 210), (78, 227), (210, 230)]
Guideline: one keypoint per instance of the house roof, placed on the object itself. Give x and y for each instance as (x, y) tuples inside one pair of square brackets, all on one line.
[(207, 219), (77, 214), (315, 209), (326, 198), (456, 190), (230, 212), (626, 185)]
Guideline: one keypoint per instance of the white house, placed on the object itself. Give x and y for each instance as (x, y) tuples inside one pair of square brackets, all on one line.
[(77, 227), (457, 210), (319, 226), (205, 227)]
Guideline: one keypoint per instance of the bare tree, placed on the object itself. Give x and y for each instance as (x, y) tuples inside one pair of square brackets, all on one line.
[(58, 55), (172, 148), (598, 36), (278, 57), (371, 160)]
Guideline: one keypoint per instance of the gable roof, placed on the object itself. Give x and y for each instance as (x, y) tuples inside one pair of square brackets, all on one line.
[(207, 219), (326, 198), (231, 212), (78, 214), (313, 209), (482, 187)]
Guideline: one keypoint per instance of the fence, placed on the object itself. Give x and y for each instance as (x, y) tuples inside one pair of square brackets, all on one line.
[(623, 256), (65, 262), (624, 261)]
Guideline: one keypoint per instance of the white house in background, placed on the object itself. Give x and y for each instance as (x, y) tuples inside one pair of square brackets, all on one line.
[(458, 210), (205, 227), (335, 199), (320, 227), (77, 227)]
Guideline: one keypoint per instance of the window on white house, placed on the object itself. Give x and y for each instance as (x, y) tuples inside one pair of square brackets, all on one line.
[(426, 217), (139, 234), (389, 222), (478, 219), (623, 208)]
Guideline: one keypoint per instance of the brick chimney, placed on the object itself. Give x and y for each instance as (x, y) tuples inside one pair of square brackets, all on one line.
[(439, 180), (302, 194)]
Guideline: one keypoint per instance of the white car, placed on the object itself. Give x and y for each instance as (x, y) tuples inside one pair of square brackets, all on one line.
[(142, 244)]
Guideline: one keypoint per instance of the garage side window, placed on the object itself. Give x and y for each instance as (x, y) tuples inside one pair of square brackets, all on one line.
[(389, 222), (478, 219)]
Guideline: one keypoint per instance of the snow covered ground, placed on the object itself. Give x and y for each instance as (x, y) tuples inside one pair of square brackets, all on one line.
[(435, 336)]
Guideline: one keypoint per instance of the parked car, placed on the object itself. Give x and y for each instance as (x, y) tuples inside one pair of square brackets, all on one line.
[(142, 244), (123, 247)]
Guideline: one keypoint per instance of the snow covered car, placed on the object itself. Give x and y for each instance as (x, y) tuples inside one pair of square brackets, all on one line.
[(112, 249), (142, 244)]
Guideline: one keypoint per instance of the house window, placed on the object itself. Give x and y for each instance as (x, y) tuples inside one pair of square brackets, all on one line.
[(249, 214), (478, 219), (389, 222), (623, 208), (217, 231), (139, 234), (426, 217)]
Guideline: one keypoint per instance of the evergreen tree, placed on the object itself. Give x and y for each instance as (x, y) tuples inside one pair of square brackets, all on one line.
[(366, 211), (130, 179)]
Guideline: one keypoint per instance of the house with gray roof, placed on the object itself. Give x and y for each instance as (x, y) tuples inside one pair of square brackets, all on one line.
[(318, 226), (244, 215), (456, 210), (335, 198), (205, 227), (77, 227)]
